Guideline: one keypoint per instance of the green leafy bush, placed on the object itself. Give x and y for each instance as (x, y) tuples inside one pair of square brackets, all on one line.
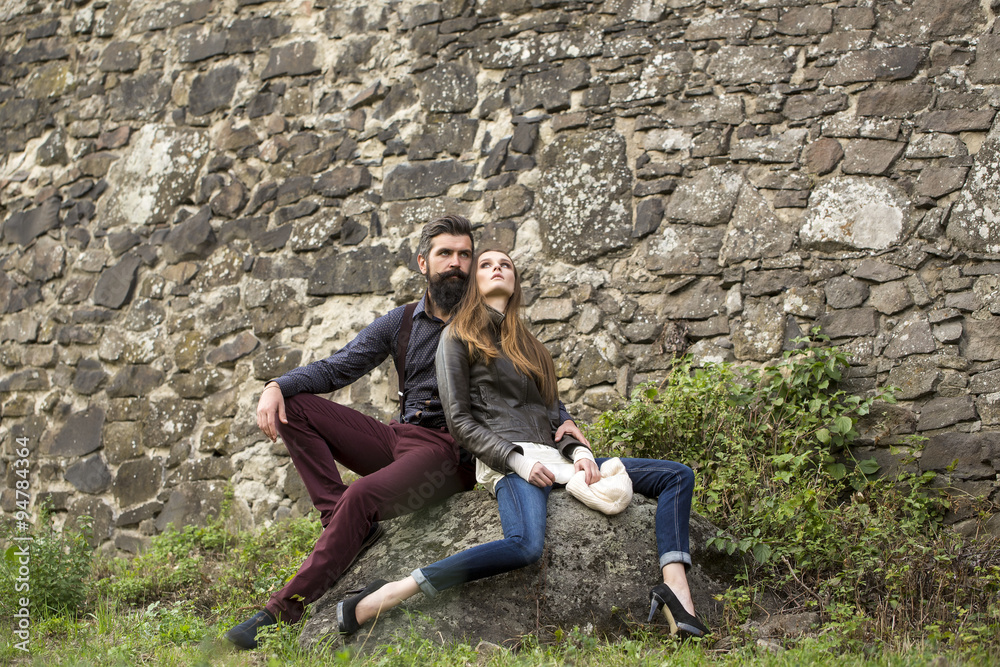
[(59, 564), (770, 448)]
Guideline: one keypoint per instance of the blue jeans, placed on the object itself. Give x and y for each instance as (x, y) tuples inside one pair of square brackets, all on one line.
[(522, 515)]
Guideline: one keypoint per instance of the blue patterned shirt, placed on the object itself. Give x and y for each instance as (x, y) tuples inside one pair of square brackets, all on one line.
[(370, 348)]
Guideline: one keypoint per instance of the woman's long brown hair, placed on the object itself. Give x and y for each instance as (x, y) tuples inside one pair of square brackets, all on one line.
[(473, 326)]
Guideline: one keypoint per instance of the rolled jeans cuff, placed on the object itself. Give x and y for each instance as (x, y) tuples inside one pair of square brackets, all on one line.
[(425, 585), (668, 558)]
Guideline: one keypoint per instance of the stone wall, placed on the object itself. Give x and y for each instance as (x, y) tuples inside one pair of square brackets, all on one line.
[(196, 196)]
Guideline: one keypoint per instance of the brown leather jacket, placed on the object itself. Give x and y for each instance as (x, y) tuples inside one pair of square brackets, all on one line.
[(489, 407)]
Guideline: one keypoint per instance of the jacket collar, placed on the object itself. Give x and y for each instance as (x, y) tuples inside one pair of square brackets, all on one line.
[(495, 316)]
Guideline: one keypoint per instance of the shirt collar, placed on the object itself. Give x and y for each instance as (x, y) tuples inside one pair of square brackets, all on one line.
[(421, 308)]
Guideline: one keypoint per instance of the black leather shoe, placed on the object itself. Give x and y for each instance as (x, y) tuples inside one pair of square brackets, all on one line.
[(244, 635), (679, 619), (347, 619), (374, 534)]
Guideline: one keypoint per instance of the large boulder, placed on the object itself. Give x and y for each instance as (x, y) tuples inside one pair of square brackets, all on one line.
[(191, 503), (424, 179), (759, 333), (24, 226), (681, 250), (365, 270), (596, 573), (741, 65)]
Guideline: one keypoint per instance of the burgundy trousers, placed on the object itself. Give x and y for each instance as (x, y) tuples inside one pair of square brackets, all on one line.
[(405, 467)]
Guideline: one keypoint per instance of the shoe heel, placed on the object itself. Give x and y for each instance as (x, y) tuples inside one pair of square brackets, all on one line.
[(670, 619), (655, 603), (654, 606)]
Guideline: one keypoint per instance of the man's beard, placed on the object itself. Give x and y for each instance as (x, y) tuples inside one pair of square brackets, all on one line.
[(447, 289)]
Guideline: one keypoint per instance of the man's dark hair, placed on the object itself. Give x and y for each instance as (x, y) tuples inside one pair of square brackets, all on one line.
[(456, 225)]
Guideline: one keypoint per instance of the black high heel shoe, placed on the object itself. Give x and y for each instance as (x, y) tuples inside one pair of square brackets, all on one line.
[(679, 619), (347, 618)]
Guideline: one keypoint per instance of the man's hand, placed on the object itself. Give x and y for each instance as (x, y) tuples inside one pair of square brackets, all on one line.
[(541, 476), (270, 409), (593, 473), (570, 427)]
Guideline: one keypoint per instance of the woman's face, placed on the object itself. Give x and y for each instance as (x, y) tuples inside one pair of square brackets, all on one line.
[(495, 274)]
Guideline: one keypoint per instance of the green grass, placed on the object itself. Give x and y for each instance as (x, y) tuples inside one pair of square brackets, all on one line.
[(171, 605), (137, 637)]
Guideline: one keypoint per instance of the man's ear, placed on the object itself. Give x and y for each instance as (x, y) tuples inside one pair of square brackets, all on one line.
[(422, 264)]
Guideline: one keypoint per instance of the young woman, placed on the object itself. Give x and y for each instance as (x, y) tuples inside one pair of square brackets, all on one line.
[(498, 387)]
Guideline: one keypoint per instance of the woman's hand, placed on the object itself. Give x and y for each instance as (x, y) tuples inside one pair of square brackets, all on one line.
[(541, 476), (593, 473)]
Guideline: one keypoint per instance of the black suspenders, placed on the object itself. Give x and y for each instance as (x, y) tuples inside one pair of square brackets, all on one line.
[(402, 343)]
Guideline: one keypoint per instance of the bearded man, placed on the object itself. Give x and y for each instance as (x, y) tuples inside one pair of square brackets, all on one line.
[(406, 464)]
